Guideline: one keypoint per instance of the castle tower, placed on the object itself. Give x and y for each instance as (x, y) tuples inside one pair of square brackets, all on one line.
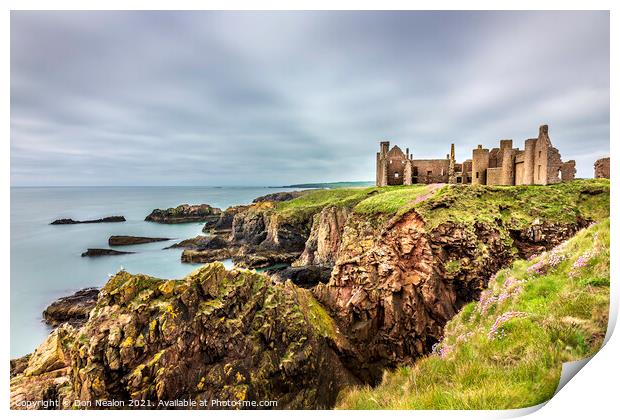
[(480, 164), (408, 172), (382, 164), (451, 173), (529, 161), (508, 165)]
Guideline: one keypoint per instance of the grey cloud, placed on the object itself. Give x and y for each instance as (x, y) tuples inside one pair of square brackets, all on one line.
[(267, 98)]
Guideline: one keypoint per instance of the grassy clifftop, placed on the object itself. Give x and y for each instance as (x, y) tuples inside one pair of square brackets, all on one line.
[(506, 350), (514, 206)]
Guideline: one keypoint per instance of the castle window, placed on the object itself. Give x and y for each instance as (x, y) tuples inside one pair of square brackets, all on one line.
[(539, 166), (477, 175), (390, 161), (441, 171), (395, 174), (539, 154), (429, 173)]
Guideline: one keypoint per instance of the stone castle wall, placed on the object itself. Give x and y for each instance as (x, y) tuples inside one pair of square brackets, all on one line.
[(430, 171), (479, 166), (540, 163), (601, 168)]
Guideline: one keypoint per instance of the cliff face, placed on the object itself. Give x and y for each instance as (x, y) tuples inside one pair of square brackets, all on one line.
[(227, 335), (323, 244), (401, 268), (384, 292)]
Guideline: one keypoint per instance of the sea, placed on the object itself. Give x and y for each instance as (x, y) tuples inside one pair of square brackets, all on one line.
[(46, 260)]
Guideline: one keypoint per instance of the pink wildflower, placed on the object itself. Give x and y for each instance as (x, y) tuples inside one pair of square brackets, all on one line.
[(503, 318)]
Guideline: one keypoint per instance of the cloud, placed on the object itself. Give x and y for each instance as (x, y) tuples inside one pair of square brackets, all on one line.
[(267, 98)]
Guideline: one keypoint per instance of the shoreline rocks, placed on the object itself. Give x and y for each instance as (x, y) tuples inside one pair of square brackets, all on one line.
[(185, 213), (123, 240), (225, 222), (73, 309), (101, 252), (109, 219)]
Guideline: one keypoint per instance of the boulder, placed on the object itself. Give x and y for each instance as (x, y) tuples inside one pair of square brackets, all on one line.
[(73, 309)]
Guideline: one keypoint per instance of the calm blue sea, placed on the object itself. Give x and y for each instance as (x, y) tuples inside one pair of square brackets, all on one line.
[(46, 262)]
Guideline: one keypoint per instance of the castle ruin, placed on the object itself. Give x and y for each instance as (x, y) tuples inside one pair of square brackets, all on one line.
[(601, 168), (538, 164)]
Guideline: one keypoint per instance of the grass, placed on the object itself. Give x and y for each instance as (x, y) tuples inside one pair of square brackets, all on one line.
[(516, 207), (313, 202), (391, 199), (559, 303), (367, 201)]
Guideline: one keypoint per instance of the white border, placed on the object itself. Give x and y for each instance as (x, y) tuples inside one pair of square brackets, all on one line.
[(592, 394)]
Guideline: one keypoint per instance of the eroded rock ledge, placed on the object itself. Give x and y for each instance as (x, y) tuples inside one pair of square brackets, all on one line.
[(123, 240)]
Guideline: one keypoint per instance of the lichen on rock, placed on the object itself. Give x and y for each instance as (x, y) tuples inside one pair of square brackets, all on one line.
[(216, 334)]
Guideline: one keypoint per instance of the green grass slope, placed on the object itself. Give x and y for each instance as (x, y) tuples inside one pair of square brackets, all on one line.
[(506, 350), (516, 207)]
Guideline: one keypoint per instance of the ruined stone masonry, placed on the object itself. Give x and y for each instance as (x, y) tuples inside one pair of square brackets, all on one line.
[(540, 164), (601, 168)]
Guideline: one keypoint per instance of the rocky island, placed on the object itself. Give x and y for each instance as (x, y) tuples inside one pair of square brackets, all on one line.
[(101, 252), (110, 219), (185, 213), (122, 240), (373, 278)]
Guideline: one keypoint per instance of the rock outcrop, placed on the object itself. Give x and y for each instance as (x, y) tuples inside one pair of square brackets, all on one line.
[(110, 219), (217, 334), (185, 213), (102, 252), (323, 244), (202, 242), (43, 381), (385, 293), (376, 290), (224, 223), (122, 240), (258, 238), (73, 309)]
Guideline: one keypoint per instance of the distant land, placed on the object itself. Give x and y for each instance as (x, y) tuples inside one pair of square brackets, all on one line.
[(331, 184)]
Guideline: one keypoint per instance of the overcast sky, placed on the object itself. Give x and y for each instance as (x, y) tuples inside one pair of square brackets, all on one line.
[(272, 98)]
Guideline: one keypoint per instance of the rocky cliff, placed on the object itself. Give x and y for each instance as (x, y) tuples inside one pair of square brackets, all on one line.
[(402, 262), (226, 335)]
